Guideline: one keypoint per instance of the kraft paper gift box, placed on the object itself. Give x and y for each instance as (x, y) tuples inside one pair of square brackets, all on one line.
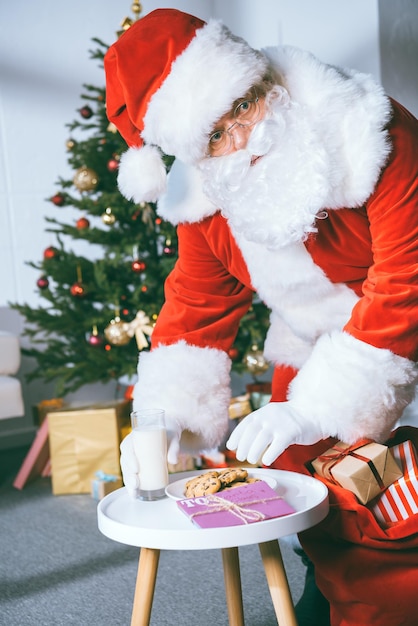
[(400, 500), (239, 406), (83, 441), (365, 469), (251, 503)]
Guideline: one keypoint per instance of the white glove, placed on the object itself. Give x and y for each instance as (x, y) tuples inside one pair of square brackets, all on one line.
[(266, 433), (129, 464)]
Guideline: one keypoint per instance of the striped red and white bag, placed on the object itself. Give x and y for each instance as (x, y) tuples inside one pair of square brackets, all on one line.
[(400, 501)]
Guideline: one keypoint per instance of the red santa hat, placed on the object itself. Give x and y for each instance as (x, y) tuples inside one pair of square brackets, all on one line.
[(169, 78)]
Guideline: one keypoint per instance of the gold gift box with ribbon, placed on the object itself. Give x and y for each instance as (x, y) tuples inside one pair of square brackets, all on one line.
[(366, 468), (83, 441)]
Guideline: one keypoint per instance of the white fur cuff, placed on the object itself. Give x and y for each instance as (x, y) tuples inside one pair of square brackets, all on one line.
[(352, 389), (192, 385)]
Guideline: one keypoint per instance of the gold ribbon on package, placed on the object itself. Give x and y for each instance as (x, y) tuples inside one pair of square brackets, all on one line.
[(331, 459), (140, 326), (53, 403)]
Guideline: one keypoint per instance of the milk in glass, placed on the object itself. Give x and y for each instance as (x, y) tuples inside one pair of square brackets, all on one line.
[(150, 447)]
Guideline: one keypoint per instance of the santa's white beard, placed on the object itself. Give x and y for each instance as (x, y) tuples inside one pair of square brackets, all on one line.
[(276, 200)]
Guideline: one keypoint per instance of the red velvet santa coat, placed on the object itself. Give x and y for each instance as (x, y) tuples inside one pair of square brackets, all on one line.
[(364, 321), (343, 302)]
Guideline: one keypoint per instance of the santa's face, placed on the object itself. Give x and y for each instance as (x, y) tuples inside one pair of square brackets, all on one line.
[(273, 181), (232, 131)]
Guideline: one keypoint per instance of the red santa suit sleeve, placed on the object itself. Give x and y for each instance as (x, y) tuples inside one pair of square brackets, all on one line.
[(188, 369), (386, 316)]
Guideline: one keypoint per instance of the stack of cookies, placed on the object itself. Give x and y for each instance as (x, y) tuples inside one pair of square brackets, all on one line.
[(217, 480)]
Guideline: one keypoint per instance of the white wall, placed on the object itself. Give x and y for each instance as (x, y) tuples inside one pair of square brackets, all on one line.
[(398, 27), (339, 32), (44, 61)]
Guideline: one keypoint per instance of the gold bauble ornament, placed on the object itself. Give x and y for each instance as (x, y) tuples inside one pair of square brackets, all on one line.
[(85, 179), (136, 8), (70, 144), (255, 361), (108, 217), (117, 333), (127, 22)]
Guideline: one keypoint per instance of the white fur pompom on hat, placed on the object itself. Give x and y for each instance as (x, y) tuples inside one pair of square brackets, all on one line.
[(142, 175)]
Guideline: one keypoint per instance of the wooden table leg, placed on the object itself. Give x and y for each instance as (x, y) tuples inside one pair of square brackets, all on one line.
[(233, 592), (145, 585), (277, 582)]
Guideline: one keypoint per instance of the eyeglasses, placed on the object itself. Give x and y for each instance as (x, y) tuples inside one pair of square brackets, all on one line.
[(246, 113)]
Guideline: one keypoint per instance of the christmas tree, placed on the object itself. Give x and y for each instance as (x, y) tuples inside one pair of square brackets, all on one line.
[(99, 312)]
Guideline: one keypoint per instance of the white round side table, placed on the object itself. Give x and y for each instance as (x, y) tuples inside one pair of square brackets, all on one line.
[(160, 525)]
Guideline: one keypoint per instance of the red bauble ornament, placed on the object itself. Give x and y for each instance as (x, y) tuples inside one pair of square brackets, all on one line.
[(169, 250), (77, 290), (86, 112), (42, 282), (233, 354), (129, 393), (58, 199), (95, 339), (82, 223), (50, 253), (113, 165), (138, 266)]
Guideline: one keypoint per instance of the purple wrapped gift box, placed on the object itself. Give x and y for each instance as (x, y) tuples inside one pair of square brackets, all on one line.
[(250, 503)]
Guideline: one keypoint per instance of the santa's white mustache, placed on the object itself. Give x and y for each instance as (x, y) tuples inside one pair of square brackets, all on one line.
[(265, 135)]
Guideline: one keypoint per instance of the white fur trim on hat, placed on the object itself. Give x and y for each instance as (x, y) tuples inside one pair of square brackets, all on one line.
[(192, 385), (349, 111), (352, 389), (142, 174), (214, 70)]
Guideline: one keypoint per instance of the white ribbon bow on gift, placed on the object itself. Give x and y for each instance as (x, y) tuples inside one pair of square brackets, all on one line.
[(140, 326)]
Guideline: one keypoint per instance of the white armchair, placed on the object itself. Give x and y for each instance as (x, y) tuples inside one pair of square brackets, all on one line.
[(11, 399)]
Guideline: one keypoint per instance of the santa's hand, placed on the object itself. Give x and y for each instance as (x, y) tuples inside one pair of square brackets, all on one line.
[(266, 433), (128, 461), (129, 466)]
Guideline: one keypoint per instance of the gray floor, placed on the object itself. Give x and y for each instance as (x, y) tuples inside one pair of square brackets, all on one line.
[(56, 569)]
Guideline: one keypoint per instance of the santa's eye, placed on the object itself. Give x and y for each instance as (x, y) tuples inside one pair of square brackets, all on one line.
[(242, 108), (216, 137), (247, 112)]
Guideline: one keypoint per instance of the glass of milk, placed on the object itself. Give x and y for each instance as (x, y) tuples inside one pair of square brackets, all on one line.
[(150, 446)]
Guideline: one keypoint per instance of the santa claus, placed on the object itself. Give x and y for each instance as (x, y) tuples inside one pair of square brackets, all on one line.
[(297, 180)]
